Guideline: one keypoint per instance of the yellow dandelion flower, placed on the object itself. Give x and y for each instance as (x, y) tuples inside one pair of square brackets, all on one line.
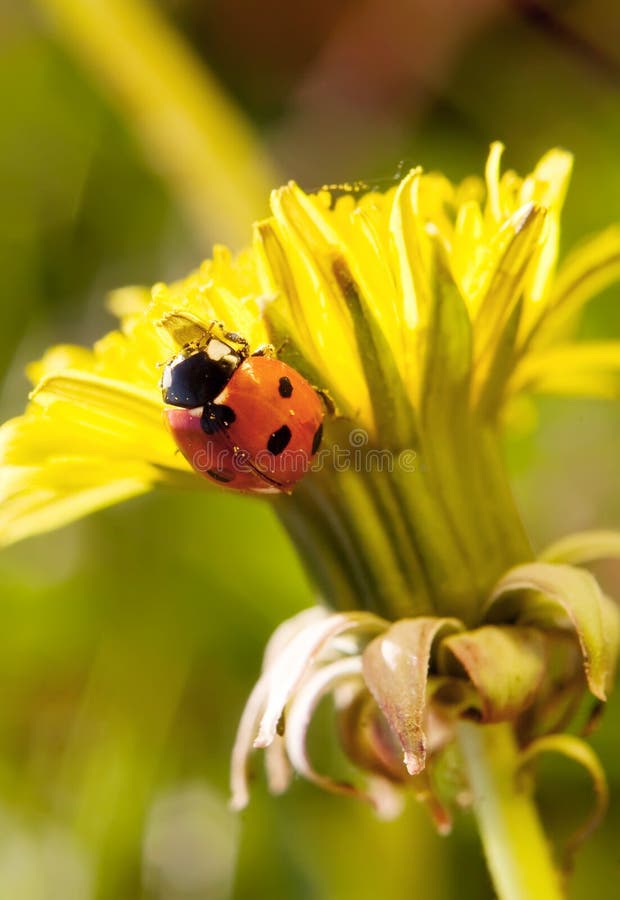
[(419, 313)]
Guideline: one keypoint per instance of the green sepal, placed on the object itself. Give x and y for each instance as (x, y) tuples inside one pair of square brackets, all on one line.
[(506, 665), (577, 750), (553, 596), (583, 547), (395, 667), (392, 410)]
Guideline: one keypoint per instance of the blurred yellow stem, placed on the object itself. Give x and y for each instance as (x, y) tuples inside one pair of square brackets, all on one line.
[(193, 135), (515, 845)]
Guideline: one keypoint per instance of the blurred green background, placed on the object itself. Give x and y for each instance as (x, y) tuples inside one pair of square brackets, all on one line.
[(129, 642)]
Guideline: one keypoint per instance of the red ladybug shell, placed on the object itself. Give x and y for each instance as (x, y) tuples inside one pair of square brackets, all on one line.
[(261, 432)]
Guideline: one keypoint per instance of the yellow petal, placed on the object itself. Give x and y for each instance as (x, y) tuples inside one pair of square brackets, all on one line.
[(412, 251), (587, 270), (548, 183), (61, 356), (78, 452), (128, 302), (85, 442), (468, 250), (494, 206), (309, 245), (591, 368), (35, 500), (510, 257), (114, 408)]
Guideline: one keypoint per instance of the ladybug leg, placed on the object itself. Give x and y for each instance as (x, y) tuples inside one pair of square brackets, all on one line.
[(285, 341), (241, 345), (328, 401), (265, 350)]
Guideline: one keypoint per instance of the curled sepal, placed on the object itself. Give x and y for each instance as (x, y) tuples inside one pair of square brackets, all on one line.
[(299, 715), (244, 744), (548, 595), (278, 769), (506, 665), (583, 547), (395, 668), (577, 750), (292, 664), (301, 711), (560, 694), (277, 766), (611, 627), (365, 736)]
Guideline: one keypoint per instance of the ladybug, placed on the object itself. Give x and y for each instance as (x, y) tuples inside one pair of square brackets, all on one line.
[(246, 421)]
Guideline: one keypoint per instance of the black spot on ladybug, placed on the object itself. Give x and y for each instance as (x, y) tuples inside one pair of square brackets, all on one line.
[(316, 440), (224, 477), (279, 440), (216, 417), (285, 387)]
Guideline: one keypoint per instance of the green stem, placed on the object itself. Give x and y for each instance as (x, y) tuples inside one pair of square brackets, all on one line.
[(515, 846)]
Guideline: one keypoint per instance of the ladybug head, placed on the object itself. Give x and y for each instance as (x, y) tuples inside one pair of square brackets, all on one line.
[(193, 379)]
